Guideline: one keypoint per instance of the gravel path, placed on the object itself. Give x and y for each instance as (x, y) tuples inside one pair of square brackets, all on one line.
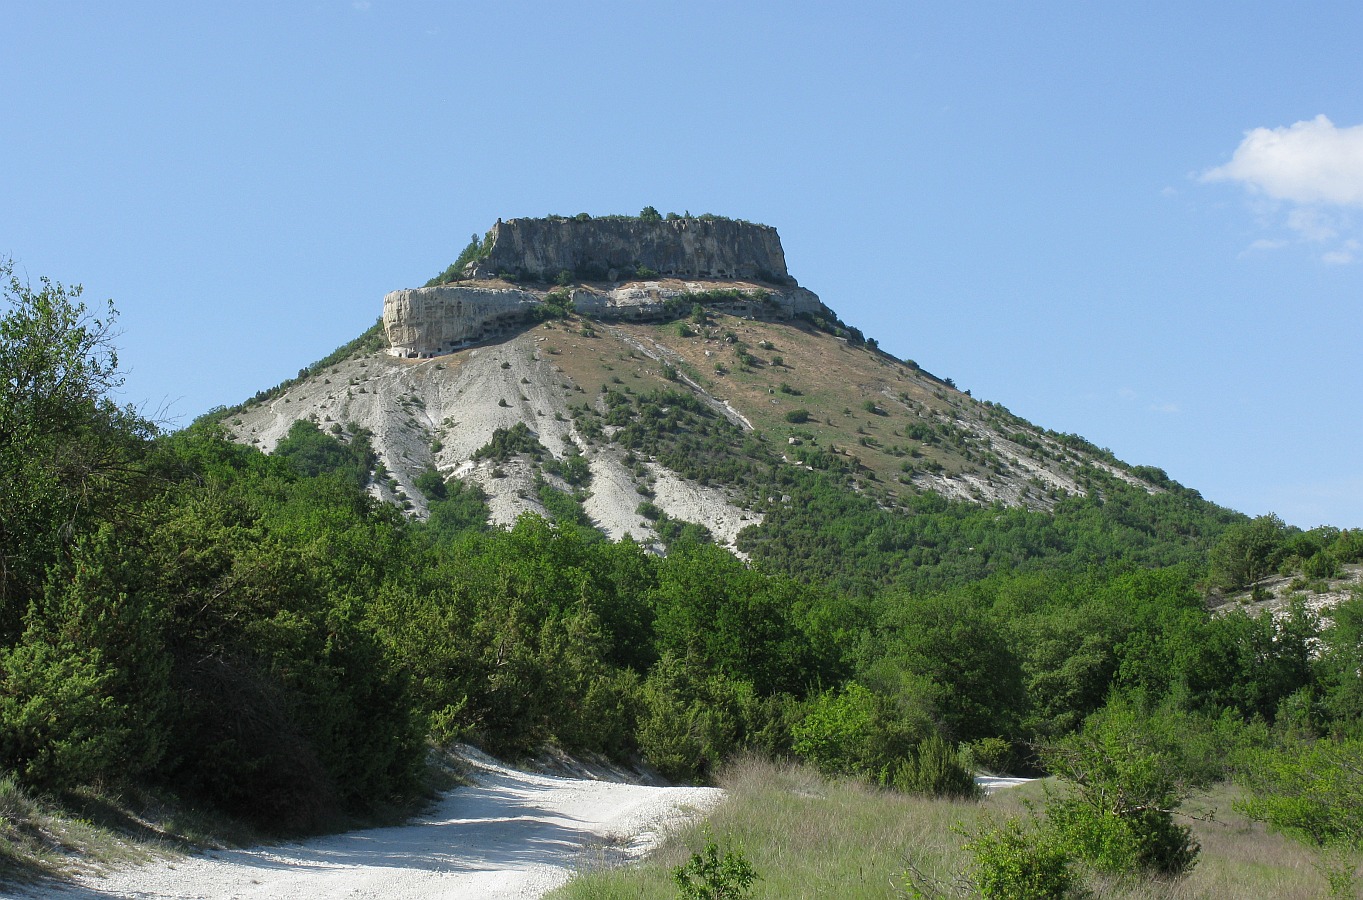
[(511, 835)]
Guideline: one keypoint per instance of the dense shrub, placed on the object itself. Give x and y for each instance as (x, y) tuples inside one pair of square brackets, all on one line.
[(933, 769), (1009, 862), (1126, 773)]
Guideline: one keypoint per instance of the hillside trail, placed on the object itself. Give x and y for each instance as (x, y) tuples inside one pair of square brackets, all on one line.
[(510, 834)]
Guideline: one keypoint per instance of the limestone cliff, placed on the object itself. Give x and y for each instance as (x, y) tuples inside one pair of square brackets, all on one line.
[(424, 322), (650, 263), (427, 321), (617, 246)]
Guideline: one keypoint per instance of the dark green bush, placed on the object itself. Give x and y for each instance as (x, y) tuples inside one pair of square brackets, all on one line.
[(934, 770)]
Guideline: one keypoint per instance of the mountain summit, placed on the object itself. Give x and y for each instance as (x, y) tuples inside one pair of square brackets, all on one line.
[(641, 373)]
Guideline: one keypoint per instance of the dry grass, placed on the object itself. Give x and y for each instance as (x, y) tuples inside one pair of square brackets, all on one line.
[(40, 842), (834, 379), (811, 838)]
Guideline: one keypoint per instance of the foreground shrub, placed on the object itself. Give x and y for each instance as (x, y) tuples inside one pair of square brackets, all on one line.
[(709, 876), (1313, 792), (1128, 776), (1010, 863)]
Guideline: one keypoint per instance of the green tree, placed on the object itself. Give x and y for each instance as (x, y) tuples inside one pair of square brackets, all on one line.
[(1253, 663), (855, 731), (1247, 551), (956, 645), (85, 691), (716, 612), (1339, 667), (313, 452), (1128, 774), (69, 455)]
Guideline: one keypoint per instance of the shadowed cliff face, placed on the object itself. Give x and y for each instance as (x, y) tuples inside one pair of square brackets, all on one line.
[(596, 248)]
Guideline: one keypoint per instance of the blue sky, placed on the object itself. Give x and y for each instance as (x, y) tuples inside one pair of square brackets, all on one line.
[(1130, 223)]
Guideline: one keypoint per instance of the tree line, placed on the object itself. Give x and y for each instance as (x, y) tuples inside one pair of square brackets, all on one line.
[(255, 633)]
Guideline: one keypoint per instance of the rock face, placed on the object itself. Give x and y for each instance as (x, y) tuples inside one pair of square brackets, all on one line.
[(591, 249), (424, 322), (737, 266), (649, 299), (432, 320)]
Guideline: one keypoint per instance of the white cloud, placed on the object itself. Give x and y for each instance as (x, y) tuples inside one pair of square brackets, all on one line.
[(1167, 408), (1306, 178), (1310, 162)]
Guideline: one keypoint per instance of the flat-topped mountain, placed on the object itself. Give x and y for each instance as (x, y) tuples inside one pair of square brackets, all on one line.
[(610, 247), (650, 382), (616, 267)]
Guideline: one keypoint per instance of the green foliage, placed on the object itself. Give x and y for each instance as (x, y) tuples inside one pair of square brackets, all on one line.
[(955, 646), (86, 688), (711, 608), (313, 452), (1252, 664), (475, 251), (68, 454), (709, 876), (508, 442), (1339, 666), (828, 322), (1311, 789), (993, 755), (565, 509), (573, 468), (431, 485), (462, 508), (1128, 772), (934, 770), (1009, 862), (1247, 551), (846, 539), (855, 731), (797, 416)]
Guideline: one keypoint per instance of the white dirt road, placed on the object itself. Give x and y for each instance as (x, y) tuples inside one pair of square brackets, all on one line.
[(511, 834)]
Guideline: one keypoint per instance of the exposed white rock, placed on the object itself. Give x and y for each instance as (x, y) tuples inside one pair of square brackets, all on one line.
[(430, 320), (456, 403)]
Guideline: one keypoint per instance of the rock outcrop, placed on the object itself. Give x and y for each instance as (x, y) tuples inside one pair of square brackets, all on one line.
[(433, 320), (423, 322), (616, 247), (653, 265)]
